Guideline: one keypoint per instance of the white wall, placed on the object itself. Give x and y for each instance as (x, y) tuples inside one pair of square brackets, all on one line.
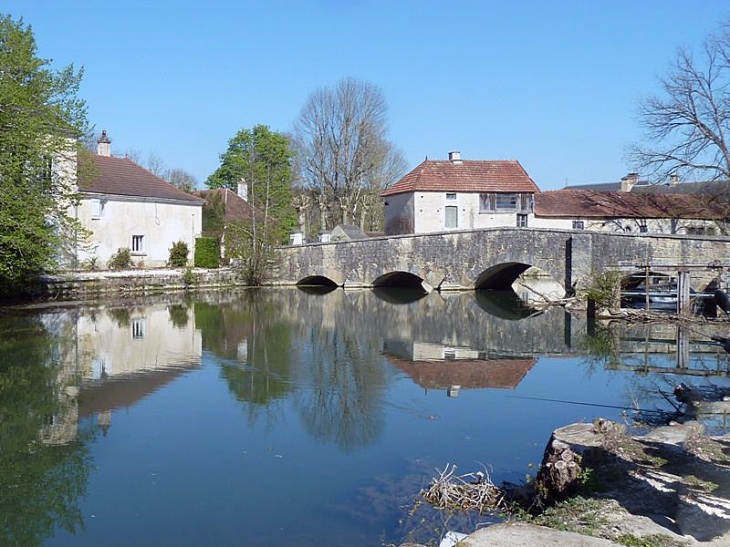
[(626, 225), (430, 213), (398, 214), (161, 224)]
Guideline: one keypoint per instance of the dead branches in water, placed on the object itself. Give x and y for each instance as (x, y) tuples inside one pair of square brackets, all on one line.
[(469, 492)]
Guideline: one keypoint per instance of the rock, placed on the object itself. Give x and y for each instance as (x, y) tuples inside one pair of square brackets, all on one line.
[(702, 516), (527, 535)]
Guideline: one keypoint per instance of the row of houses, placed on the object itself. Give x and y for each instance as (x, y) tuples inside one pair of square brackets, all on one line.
[(123, 205), (458, 194)]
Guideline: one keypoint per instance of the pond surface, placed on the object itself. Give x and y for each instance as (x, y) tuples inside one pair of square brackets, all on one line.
[(284, 418)]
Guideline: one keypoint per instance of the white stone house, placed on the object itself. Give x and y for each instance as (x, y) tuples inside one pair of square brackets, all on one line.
[(459, 195), (123, 205)]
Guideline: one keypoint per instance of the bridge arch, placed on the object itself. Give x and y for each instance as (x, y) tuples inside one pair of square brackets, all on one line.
[(500, 276), (316, 281), (398, 279)]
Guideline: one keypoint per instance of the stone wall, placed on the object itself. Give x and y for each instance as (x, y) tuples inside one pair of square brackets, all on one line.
[(80, 285)]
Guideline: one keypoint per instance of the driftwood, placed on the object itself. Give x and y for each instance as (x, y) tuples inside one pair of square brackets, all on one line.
[(469, 492)]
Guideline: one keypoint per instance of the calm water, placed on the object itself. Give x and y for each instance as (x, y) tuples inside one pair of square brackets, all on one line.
[(287, 418)]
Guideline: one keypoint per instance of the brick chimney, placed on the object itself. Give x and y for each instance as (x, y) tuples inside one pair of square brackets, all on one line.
[(104, 145), (455, 157), (629, 181)]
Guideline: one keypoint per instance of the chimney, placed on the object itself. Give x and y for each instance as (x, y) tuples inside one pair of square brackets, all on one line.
[(243, 189), (104, 145), (455, 156), (629, 181), (673, 180)]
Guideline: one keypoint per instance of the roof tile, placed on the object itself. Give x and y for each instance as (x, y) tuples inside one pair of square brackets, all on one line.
[(593, 204), (123, 177), (465, 176)]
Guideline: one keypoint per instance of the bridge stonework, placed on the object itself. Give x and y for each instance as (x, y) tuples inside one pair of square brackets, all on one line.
[(494, 257)]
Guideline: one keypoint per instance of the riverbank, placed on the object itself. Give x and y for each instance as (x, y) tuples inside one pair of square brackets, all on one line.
[(106, 284), (597, 485)]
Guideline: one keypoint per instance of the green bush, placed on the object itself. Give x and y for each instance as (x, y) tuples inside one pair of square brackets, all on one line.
[(207, 252), (604, 289), (121, 260), (179, 255)]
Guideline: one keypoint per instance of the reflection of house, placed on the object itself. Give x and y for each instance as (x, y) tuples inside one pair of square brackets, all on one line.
[(459, 194), (125, 206), (467, 373), (124, 354), (435, 366)]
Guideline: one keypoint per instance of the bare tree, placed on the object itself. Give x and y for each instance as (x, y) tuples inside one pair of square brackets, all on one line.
[(181, 179), (687, 127), (344, 154)]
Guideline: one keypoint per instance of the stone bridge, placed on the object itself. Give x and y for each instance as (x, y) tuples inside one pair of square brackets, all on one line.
[(493, 258)]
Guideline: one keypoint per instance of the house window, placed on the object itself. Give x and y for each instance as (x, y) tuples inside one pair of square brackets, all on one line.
[(643, 228), (452, 216), (695, 230), (138, 244), (521, 221), (138, 328), (97, 208), (451, 195), (506, 202), (579, 225)]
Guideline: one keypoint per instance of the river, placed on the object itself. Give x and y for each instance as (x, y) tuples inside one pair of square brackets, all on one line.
[(282, 417)]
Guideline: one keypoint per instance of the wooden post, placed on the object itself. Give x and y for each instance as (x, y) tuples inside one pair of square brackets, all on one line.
[(683, 301), (682, 347)]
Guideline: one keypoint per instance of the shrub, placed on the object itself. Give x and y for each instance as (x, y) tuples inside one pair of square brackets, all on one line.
[(604, 289), (190, 278), (207, 252), (121, 260), (179, 254)]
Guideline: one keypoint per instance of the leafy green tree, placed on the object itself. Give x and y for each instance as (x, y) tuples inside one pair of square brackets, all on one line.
[(40, 121), (263, 160)]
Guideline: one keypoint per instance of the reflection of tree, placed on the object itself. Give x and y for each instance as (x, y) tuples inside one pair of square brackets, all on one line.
[(178, 315), (255, 343), (345, 379), (39, 483)]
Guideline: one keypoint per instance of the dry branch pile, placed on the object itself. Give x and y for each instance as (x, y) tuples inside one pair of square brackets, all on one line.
[(469, 492)]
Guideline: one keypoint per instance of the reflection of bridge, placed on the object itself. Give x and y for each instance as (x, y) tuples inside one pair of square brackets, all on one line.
[(492, 258)]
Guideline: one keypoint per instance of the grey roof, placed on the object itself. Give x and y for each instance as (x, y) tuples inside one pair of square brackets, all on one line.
[(645, 187), (350, 231)]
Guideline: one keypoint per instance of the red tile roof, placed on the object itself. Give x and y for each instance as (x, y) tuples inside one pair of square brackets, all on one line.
[(235, 208), (123, 177), (593, 204), (465, 176)]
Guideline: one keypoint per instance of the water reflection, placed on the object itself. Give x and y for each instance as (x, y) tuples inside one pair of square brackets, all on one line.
[(253, 344), (44, 459), (503, 304), (343, 382), (396, 295)]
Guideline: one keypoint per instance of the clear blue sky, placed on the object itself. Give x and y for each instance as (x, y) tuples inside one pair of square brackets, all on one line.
[(554, 84)]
